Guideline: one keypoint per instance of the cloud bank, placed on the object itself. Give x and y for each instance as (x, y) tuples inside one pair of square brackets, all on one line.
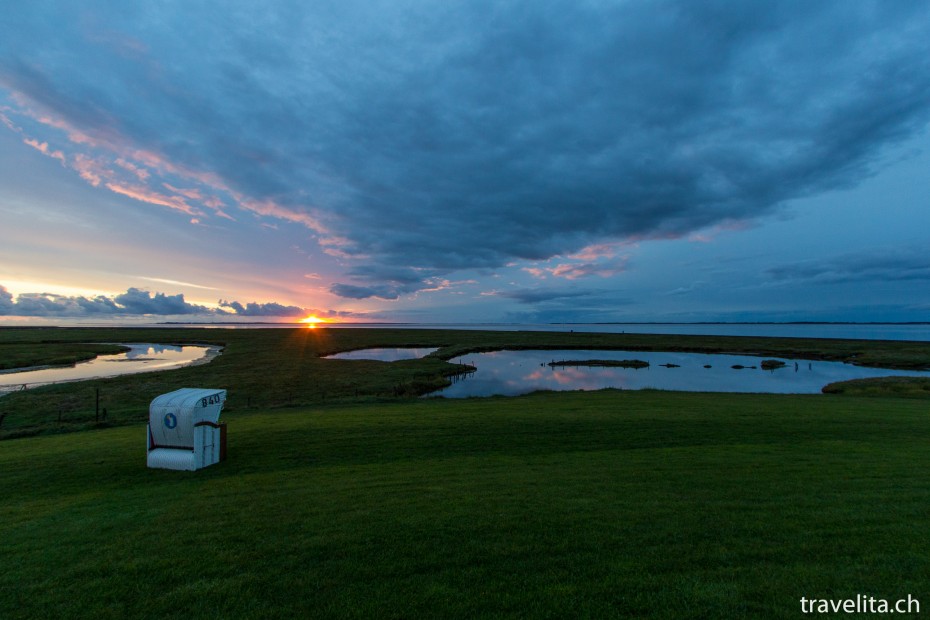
[(134, 302), (425, 138), (257, 309), (874, 265)]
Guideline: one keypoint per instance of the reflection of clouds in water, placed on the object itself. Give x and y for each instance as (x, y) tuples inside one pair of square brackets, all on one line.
[(591, 378), (534, 376), (137, 351), (518, 372), (384, 354), (171, 356), (587, 378)]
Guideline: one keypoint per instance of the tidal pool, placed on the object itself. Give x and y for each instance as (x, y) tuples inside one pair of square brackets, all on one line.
[(141, 357), (509, 373), (385, 354)]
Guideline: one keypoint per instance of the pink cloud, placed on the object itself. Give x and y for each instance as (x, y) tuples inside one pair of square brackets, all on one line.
[(339, 247), (193, 194), (436, 284), (33, 110), (594, 252), (571, 271), (6, 121), (74, 135), (216, 204), (270, 208), (90, 169), (707, 236), (141, 173), (143, 165), (536, 272), (42, 147), (144, 194)]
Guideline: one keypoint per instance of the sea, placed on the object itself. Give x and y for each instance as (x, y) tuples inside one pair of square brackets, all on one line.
[(918, 332)]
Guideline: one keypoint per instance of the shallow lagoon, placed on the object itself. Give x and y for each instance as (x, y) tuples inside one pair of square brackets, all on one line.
[(384, 354), (140, 358), (510, 373)]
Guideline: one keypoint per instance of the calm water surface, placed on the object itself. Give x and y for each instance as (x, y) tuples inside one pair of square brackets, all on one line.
[(384, 354), (139, 358), (510, 373), (856, 331)]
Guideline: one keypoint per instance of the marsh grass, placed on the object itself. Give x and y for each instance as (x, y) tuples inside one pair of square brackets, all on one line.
[(266, 369), (605, 504), (902, 387), (24, 355)]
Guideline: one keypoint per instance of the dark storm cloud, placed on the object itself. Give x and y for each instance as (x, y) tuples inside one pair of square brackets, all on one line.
[(134, 302), (461, 135), (538, 295), (48, 304), (6, 302), (899, 264), (392, 282), (257, 309), (553, 305), (137, 301), (352, 291)]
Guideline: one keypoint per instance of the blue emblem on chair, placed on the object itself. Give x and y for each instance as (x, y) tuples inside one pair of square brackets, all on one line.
[(171, 420)]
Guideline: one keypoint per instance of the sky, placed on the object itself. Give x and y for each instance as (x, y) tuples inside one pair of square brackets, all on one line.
[(414, 161)]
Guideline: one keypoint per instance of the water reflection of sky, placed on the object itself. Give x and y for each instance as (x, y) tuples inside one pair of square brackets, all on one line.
[(385, 354), (139, 358), (518, 372), (141, 351)]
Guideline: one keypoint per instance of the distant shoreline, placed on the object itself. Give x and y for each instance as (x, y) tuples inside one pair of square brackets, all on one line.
[(915, 331), (503, 324)]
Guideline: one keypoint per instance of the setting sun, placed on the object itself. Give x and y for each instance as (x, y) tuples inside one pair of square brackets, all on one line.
[(312, 321)]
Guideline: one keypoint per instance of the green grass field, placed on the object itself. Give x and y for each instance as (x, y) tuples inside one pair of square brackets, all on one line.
[(366, 503), (606, 504)]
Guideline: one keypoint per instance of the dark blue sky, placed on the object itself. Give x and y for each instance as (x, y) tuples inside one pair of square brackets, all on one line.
[(488, 161)]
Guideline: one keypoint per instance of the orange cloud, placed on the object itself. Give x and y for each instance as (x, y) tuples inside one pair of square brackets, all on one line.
[(575, 271)]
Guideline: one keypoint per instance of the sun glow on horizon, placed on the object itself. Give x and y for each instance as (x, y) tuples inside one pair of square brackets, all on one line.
[(312, 321)]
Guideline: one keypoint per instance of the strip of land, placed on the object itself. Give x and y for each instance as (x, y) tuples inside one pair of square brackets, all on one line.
[(273, 368)]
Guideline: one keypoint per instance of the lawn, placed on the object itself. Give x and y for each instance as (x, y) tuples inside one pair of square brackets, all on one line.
[(598, 504), (345, 497)]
